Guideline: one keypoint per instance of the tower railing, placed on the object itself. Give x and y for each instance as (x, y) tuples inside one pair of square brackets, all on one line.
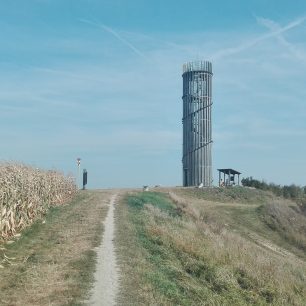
[(204, 66)]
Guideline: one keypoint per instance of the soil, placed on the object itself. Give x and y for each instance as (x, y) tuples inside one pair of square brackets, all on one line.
[(106, 286)]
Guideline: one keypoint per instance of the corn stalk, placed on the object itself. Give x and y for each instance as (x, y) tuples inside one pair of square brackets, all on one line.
[(27, 193)]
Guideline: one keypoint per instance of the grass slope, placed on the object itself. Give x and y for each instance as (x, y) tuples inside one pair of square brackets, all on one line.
[(209, 247), (274, 218)]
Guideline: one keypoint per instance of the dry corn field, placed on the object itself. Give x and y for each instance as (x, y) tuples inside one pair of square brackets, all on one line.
[(26, 193)]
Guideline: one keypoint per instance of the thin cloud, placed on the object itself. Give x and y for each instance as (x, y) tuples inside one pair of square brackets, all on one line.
[(274, 27), (66, 73), (115, 34), (275, 33)]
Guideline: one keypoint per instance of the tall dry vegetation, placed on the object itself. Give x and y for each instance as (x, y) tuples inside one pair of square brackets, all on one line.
[(26, 193), (191, 257), (287, 220)]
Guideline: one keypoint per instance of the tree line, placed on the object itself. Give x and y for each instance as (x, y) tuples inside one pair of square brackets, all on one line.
[(293, 192)]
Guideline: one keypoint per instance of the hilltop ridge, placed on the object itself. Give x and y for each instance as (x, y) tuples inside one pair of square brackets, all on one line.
[(219, 246)]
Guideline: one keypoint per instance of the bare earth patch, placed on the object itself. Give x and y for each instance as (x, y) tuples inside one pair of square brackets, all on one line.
[(106, 276)]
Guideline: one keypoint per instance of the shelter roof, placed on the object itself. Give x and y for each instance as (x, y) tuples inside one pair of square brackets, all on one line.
[(229, 171)]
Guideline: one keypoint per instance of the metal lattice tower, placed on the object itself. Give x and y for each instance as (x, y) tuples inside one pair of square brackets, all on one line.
[(197, 128)]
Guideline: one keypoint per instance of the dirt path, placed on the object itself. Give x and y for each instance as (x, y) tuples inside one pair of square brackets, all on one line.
[(106, 276)]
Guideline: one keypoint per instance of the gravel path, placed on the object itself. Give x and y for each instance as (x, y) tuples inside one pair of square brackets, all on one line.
[(106, 276)]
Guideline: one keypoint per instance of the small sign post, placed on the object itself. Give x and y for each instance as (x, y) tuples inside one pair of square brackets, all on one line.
[(79, 173)]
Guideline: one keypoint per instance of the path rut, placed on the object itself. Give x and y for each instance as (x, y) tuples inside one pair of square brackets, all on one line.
[(107, 274)]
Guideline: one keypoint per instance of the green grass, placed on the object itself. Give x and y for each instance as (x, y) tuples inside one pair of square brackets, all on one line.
[(189, 255), (155, 199)]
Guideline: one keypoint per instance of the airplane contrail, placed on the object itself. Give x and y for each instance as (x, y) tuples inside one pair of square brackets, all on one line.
[(273, 26), (115, 34), (249, 44)]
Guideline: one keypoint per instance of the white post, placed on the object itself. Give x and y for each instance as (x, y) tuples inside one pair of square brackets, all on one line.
[(79, 171)]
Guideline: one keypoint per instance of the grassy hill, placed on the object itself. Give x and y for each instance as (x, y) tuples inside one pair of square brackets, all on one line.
[(234, 246), (176, 246)]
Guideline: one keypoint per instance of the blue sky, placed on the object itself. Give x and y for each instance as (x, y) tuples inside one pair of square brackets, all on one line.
[(101, 80)]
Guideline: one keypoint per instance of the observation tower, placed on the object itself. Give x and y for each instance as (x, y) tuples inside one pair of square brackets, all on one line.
[(197, 127)]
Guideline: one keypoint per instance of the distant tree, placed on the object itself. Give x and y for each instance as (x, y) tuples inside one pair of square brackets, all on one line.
[(276, 189), (286, 192), (290, 192), (250, 182)]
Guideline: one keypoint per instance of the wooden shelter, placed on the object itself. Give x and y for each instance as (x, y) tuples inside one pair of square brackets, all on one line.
[(229, 177)]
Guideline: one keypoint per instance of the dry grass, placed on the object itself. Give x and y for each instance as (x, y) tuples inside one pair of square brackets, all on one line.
[(187, 257), (53, 262), (26, 193), (276, 219), (236, 194), (287, 219)]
